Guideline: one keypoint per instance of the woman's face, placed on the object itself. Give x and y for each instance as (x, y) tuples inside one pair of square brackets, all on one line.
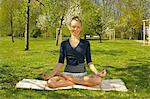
[(75, 28)]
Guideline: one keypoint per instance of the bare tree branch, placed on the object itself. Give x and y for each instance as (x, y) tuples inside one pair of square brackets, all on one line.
[(40, 2)]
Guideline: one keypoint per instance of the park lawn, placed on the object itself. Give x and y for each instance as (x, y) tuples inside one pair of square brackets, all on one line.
[(123, 59)]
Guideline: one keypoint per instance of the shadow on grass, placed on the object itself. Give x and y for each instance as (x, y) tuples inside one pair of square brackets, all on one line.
[(136, 75), (10, 75), (62, 94), (109, 52), (7, 77), (54, 52), (120, 42)]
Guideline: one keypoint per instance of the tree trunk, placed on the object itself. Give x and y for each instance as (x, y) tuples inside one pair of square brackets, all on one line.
[(59, 29), (11, 28), (100, 38), (27, 27)]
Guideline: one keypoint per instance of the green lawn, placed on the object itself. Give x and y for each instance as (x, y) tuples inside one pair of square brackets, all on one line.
[(123, 59)]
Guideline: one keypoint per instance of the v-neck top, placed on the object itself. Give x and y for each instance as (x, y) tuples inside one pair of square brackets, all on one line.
[(77, 55)]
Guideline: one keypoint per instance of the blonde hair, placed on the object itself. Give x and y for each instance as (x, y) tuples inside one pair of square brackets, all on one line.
[(76, 18)]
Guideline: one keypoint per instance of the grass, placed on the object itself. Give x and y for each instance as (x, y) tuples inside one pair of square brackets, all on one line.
[(123, 59)]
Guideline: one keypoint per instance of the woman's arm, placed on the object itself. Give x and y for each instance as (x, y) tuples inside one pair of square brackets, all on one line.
[(92, 68)]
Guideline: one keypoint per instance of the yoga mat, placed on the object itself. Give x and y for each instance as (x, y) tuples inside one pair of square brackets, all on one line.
[(106, 85)]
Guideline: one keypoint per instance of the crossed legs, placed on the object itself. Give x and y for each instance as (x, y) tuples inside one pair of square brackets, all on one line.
[(62, 80)]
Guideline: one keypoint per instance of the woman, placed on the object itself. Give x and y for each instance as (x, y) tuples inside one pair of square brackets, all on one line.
[(75, 50)]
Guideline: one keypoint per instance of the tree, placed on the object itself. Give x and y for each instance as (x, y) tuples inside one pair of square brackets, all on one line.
[(27, 29), (64, 7), (97, 24), (130, 17), (19, 19), (87, 7), (92, 19), (27, 26), (8, 13)]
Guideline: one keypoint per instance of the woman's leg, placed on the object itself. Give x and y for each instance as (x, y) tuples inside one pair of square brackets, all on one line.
[(58, 81), (91, 80), (62, 80)]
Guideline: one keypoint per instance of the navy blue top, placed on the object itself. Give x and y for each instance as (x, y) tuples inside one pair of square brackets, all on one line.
[(77, 55)]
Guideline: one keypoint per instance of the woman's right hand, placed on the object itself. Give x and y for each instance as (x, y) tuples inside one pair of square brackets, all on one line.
[(102, 74), (46, 77)]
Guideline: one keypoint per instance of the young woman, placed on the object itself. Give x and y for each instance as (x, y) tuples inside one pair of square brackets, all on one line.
[(75, 50)]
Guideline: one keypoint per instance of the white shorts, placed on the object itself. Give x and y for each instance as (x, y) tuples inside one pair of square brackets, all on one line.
[(78, 75)]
